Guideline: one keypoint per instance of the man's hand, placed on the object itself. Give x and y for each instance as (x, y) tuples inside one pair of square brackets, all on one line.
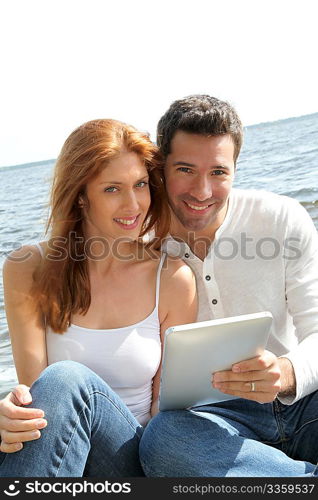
[(258, 379), (18, 424)]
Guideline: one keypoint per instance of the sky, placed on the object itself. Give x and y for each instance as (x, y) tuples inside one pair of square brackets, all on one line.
[(64, 62)]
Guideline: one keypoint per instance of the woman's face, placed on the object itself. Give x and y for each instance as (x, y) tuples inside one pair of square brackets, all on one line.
[(118, 199)]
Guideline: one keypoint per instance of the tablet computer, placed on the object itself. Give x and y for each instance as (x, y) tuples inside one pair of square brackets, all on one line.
[(194, 351)]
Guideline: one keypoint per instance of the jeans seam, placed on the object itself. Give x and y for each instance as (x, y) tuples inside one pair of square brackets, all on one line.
[(78, 420), (112, 402), (304, 425), (274, 443), (286, 439)]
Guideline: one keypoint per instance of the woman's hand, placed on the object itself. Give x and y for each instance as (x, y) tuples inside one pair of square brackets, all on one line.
[(19, 424)]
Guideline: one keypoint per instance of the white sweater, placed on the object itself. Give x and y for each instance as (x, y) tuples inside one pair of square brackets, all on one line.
[(264, 257)]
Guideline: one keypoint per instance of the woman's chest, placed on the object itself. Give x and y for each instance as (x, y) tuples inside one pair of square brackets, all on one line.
[(122, 301)]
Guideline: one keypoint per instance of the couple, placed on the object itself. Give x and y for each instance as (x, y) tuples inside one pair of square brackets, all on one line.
[(87, 310)]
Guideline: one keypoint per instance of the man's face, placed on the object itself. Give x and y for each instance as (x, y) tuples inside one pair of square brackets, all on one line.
[(199, 174)]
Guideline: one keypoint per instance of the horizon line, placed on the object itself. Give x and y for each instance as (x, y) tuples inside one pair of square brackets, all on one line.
[(51, 160)]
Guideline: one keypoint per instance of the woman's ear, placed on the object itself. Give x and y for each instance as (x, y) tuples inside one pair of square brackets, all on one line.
[(81, 202)]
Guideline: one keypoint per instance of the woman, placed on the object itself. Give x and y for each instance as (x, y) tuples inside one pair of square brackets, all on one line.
[(95, 295)]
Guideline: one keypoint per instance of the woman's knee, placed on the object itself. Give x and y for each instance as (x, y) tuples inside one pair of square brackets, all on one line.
[(62, 377)]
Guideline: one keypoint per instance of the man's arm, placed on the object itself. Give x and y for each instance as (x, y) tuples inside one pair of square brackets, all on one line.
[(301, 285), (294, 374), (287, 378)]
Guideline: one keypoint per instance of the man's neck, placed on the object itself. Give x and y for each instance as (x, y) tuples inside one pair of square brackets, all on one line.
[(198, 241)]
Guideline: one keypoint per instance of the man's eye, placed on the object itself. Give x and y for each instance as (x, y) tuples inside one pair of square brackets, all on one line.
[(110, 189), (218, 172), (184, 169), (142, 184)]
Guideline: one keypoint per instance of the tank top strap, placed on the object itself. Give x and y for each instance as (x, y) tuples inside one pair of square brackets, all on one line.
[(163, 257), (40, 249)]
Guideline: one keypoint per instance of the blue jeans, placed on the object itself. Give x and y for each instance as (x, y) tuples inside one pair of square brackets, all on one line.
[(234, 438), (90, 431)]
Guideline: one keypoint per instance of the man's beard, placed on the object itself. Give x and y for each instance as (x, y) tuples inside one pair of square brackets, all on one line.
[(192, 223)]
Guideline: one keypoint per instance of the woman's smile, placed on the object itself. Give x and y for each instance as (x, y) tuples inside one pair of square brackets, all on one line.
[(118, 198), (128, 222)]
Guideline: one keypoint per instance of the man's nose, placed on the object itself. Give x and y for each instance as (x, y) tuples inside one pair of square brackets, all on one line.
[(201, 189)]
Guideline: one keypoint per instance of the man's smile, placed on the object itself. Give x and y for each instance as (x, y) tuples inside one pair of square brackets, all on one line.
[(202, 209)]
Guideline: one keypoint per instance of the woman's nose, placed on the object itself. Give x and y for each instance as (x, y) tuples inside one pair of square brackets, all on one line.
[(131, 201)]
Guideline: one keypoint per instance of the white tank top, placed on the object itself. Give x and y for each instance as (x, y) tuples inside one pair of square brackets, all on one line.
[(126, 358)]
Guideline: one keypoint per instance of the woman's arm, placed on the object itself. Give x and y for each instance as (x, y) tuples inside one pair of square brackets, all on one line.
[(177, 306), (25, 322), (27, 332)]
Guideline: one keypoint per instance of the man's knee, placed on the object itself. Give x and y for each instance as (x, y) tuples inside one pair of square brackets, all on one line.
[(160, 440)]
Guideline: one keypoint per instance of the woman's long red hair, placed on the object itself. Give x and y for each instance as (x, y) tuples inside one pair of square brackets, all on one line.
[(61, 285)]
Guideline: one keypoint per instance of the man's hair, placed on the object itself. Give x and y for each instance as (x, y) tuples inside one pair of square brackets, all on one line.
[(199, 114)]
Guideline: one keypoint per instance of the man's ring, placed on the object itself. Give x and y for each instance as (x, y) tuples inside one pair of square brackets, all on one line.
[(252, 386)]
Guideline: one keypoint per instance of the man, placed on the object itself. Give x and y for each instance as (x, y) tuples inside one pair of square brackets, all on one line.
[(251, 251)]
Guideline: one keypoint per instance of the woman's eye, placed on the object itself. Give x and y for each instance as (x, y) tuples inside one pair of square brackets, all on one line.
[(110, 189), (142, 184)]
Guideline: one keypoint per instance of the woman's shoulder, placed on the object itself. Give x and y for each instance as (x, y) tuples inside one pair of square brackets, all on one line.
[(176, 266), (24, 260), (178, 296), (171, 266), (177, 275), (174, 271)]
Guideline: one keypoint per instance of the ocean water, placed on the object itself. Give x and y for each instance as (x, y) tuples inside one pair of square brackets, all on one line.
[(279, 156)]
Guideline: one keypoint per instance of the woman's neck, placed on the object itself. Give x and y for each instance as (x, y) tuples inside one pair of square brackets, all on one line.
[(105, 255)]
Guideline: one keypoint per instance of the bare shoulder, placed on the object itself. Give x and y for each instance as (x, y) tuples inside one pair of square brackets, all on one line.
[(177, 269), (21, 264), (178, 279), (178, 295)]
